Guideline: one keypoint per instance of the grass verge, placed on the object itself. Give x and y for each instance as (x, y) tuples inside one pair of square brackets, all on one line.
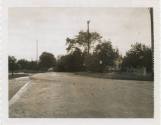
[(118, 75)]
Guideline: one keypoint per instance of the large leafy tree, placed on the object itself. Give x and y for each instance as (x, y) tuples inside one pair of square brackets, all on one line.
[(84, 41), (138, 56), (71, 62), (47, 60), (104, 55)]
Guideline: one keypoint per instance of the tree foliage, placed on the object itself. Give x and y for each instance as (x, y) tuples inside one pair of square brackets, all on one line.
[(92, 63), (104, 55), (46, 60), (138, 56), (23, 64), (71, 62), (83, 41)]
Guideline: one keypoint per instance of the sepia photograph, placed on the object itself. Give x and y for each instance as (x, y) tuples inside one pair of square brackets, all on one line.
[(80, 62)]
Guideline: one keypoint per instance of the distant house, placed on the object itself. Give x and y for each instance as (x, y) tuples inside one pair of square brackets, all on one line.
[(118, 63), (116, 66)]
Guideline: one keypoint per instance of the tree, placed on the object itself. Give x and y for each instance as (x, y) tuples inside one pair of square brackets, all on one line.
[(60, 64), (84, 41), (12, 64), (138, 56), (46, 60), (33, 65), (71, 62), (27, 65), (23, 64), (104, 55), (92, 63), (76, 60)]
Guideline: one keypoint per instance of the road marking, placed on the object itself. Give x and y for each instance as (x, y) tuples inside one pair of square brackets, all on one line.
[(19, 93)]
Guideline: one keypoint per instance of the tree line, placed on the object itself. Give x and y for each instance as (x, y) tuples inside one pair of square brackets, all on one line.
[(88, 52)]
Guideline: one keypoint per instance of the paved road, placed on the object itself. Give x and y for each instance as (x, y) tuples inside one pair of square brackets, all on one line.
[(66, 95)]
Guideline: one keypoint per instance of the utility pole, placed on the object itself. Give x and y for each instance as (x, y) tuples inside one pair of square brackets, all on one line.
[(88, 36), (152, 35), (152, 29)]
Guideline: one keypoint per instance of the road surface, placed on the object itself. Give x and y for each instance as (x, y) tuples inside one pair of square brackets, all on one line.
[(65, 95)]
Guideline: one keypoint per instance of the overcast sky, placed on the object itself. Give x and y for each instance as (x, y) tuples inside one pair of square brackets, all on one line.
[(51, 26)]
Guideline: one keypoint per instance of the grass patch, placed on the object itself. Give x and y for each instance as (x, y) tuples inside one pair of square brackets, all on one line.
[(118, 75), (17, 75)]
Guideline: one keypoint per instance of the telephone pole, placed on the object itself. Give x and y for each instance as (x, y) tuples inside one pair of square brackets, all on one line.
[(152, 29), (152, 36), (88, 36)]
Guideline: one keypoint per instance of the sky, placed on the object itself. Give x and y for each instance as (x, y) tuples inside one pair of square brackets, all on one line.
[(51, 26)]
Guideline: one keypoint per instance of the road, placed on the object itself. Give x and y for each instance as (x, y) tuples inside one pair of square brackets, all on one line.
[(65, 95)]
